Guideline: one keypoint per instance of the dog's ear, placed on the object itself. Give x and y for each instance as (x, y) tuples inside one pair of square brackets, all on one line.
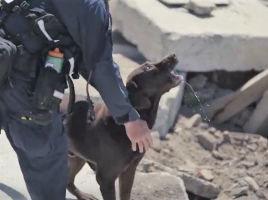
[(139, 101)]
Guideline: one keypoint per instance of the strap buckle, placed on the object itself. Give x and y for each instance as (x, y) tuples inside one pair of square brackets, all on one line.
[(91, 115), (24, 5), (16, 9)]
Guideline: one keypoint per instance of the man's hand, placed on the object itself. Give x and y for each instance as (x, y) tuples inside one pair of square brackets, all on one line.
[(139, 133)]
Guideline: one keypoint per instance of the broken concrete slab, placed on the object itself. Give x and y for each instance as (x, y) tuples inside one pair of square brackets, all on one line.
[(158, 186), (192, 184), (217, 104), (257, 122), (215, 43), (200, 187), (250, 92)]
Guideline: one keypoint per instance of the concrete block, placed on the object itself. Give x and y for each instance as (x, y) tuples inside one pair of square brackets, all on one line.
[(206, 140), (158, 186), (168, 109), (234, 38)]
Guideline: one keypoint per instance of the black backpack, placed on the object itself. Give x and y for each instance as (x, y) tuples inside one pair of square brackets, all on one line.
[(29, 34), (8, 53), (33, 32)]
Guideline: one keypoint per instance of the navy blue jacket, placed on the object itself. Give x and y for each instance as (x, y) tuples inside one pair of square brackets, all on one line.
[(89, 24)]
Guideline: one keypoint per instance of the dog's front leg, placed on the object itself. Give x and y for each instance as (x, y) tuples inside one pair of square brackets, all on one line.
[(126, 180), (75, 164), (107, 186)]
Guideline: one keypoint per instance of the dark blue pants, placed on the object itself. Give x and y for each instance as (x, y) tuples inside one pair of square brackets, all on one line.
[(41, 150)]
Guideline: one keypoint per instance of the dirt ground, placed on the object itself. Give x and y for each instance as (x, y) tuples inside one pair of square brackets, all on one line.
[(236, 162)]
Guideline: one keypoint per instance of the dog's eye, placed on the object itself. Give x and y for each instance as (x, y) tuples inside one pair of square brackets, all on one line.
[(147, 68)]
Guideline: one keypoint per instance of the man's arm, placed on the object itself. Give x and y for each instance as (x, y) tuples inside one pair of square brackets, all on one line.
[(88, 23)]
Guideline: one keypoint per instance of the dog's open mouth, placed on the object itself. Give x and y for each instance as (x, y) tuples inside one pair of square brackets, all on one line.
[(173, 61)]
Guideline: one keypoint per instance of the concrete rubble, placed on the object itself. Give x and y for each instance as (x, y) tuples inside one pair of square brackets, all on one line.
[(192, 183), (228, 165), (202, 44), (207, 140), (158, 186), (242, 109)]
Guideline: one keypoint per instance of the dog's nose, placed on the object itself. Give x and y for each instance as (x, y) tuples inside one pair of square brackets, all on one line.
[(174, 57)]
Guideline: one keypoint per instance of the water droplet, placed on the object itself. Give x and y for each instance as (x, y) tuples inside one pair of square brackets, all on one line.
[(195, 94)]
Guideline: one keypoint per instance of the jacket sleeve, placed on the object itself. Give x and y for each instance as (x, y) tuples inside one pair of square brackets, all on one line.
[(89, 24)]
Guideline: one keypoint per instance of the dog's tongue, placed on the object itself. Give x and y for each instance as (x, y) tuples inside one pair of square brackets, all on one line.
[(177, 78)]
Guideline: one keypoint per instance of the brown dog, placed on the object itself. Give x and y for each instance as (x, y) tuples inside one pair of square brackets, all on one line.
[(103, 144)]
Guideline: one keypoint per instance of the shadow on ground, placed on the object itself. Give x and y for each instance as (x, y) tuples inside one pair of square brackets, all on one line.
[(12, 193)]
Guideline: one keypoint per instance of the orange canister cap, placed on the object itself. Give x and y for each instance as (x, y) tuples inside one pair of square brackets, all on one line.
[(56, 53)]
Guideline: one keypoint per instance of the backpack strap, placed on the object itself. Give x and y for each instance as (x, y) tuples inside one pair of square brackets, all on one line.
[(91, 114)]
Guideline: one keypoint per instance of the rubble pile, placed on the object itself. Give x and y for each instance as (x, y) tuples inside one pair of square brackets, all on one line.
[(241, 109), (213, 164)]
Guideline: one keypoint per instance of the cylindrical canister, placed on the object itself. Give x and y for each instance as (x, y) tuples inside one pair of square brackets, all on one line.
[(55, 60)]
